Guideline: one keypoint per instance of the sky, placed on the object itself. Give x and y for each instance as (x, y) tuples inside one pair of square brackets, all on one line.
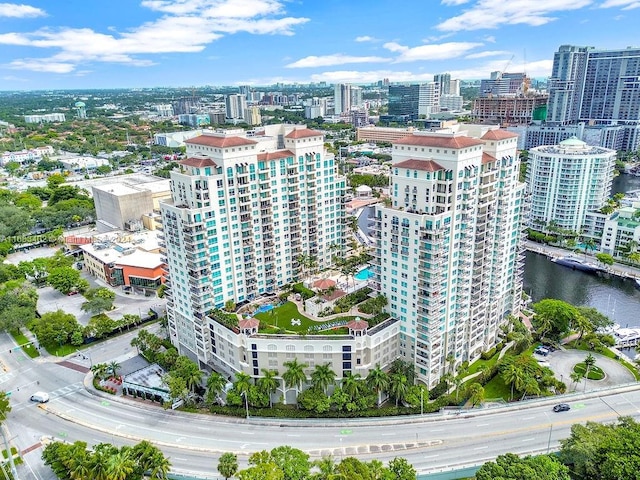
[(84, 44)]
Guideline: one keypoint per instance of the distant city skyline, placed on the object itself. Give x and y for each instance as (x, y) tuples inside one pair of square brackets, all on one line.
[(147, 43)]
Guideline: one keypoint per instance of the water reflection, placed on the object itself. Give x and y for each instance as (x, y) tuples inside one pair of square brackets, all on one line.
[(616, 298)]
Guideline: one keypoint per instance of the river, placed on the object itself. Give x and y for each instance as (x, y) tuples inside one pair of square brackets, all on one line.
[(616, 298)]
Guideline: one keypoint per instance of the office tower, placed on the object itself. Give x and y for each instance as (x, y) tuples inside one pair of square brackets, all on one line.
[(165, 110), (444, 83), (342, 98), (81, 110), (598, 87), (242, 212), (235, 106), (245, 90), (404, 101), (252, 115), (186, 105), (451, 103), (448, 253), (566, 181), (506, 110)]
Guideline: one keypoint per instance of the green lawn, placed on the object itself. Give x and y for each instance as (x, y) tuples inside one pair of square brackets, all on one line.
[(595, 372), (27, 346), (496, 388), (280, 318)]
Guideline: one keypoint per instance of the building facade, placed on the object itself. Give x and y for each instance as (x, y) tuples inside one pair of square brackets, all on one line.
[(599, 87), (567, 181), (448, 254), (506, 110), (243, 211)]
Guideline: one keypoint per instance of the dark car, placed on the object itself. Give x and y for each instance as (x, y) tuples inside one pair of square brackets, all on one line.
[(561, 407)]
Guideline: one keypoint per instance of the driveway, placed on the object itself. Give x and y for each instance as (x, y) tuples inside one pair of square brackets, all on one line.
[(562, 362)]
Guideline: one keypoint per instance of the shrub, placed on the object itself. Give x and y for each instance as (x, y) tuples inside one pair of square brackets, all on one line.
[(488, 354), (304, 292)]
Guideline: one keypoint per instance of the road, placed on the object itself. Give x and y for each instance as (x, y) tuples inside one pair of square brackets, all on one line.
[(193, 442)]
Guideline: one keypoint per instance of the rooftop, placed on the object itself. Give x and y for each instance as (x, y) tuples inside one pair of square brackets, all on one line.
[(198, 162), (498, 134), (220, 141), (275, 155), (303, 133), (438, 141), (423, 165)]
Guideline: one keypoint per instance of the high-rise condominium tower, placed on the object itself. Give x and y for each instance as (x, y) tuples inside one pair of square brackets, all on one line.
[(448, 254), (599, 87), (243, 210)]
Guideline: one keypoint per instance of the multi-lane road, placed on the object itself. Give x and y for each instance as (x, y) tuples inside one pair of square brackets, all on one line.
[(193, 442)]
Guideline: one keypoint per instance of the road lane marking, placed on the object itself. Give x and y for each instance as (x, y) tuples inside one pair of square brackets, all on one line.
[(248, 433), (291, 435), (481, 448), (528, 439), (430, 456), (483, 425), (529, 418), (387, 434), (437, 430)]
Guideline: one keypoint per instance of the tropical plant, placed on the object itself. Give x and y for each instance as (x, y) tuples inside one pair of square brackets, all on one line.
[(398, 387), (268, 383), (378, 381), (323, 376), (228, 465), (215, 386), (294, 376)]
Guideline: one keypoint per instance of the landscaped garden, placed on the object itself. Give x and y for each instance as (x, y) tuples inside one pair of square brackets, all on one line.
[(287, 319)]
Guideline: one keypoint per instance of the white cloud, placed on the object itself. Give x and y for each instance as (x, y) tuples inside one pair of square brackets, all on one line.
[(15, 10), (187, 26), (487, 53), (626, 4), (493, 13), (490, 39), (442, 51), (536, 69), (42, 65), (366, 38), (313, 61), (354, 76), (454, 2)]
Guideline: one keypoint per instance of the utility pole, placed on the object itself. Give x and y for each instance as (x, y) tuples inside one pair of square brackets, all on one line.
[(14, 472)]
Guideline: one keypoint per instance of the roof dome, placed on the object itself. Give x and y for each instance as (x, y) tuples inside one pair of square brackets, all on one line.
[(573, 142)]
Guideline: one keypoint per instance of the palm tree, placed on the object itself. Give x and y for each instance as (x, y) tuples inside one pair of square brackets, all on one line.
[(150, 459), (327, 468), (378, 381), (476, 392), (511, 374), (294, 377), (243, 383), (530, 387), (575, 378), (100, 370), (268, 383), (215, 385), (119, 466), (113, 368), (322, 376), (398, 387), (228, 465), (352, 385)]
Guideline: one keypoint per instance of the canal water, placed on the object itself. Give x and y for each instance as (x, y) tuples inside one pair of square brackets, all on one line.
[(617, 298)]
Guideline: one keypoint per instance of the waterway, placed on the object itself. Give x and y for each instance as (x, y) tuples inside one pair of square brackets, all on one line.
[(618, 299)]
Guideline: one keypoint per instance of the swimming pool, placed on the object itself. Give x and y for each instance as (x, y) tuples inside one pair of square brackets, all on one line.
[(264, 308), (364, 274)]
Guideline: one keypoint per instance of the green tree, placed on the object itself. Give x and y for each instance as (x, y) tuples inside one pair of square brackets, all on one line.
[(228, 465), (511, 467), (293, 462), (352, 385), (294, 377), (401, 469), (215, 386), (378, 381), (98, 300), (150, 458), (553, 317), (398, 387), (55, 180), (323, 376), (65, 279), (605, 258), (243, 383), (55, 328), (268, 383), (189, 371), (476, 394)]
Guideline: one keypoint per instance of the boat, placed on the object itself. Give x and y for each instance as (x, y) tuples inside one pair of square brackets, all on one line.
[(576, 264)]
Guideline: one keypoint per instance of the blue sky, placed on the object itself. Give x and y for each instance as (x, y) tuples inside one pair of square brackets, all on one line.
[(54, 44)]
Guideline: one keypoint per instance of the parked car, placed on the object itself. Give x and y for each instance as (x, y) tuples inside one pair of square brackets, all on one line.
[(541, 351), (561, 407)]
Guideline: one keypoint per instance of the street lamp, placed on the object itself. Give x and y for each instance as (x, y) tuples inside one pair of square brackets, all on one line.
[(246, 403), (549, 442), (421, 401)]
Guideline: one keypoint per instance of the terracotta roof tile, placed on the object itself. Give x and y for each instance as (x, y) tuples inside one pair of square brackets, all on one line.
[(198, 162), (303, 133), (275, 155), (423, 165), (439, 142), (248, 323), (358, 324), (498, 134), (486, 158), (220, 142)]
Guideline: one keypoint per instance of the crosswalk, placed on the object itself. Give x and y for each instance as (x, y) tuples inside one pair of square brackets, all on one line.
[(67, 390), (5, 377)]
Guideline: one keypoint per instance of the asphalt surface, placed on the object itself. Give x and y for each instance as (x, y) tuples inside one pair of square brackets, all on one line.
[(563, 361)]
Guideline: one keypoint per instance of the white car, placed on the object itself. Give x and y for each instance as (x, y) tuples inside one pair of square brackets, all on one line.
[(40, 397)]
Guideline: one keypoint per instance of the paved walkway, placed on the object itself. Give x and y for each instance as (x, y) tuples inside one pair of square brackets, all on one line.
[(353, 311)]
